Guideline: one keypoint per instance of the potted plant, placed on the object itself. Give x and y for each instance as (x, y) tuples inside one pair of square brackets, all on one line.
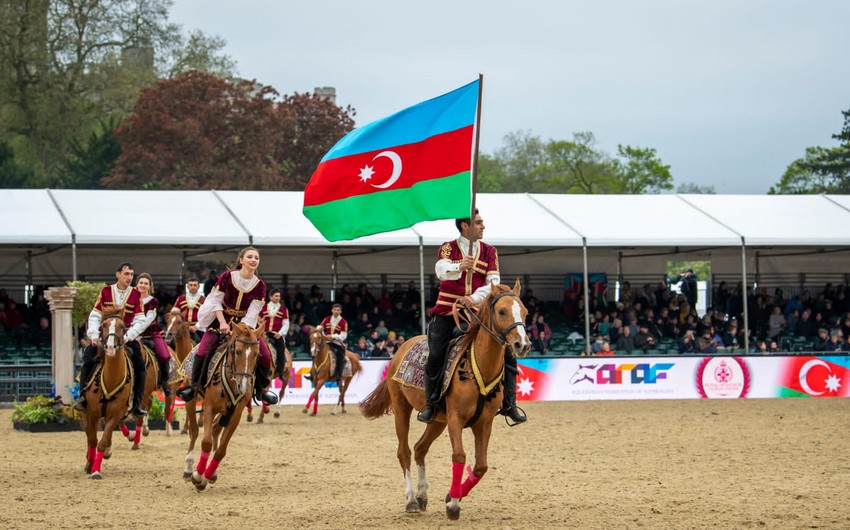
[(156, 416), (44, 414)]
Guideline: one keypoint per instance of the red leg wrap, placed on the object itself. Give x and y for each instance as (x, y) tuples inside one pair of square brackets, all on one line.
[(98, 458), (210, 472), (469, 483), (90, 454), (125, 431), (202, 462), (457, 476), (138, 437), (171, 413)]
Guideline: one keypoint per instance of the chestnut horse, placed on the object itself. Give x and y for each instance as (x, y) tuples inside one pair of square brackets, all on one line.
[(151, 382), (472, 399), (225, 396), (279, 372), (320, 371), (110, 394), (177, 330)]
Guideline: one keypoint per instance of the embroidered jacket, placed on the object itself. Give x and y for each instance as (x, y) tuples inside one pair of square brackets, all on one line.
[(240, 300), (277, 318), (455, 284)]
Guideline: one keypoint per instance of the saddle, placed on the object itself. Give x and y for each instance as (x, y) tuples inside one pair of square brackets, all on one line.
[(96, 377), (411, 370), (150, 361)]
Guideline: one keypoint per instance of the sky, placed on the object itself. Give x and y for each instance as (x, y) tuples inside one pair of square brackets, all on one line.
[(728, 92)]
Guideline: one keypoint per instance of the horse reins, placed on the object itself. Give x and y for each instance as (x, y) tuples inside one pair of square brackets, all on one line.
[(502, 336)]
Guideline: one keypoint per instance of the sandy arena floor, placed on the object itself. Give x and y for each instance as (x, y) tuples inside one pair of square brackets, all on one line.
[(652, 464)]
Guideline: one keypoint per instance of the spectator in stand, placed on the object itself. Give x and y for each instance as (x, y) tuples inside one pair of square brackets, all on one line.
[(806, 326), (626, 294), (596, 346), (705, 344), (762, 347), (625, 342), (293, 339), (541, 334), (382, 329), (792, 319), (42, 336), (773, 347), (835, 344), (363, 326), (721, 296), (845, 326), (689, 286), (687, 344), (732, 338), (362, 348), (605, 350), (212, 278), (644, 339), (775, 323), (822, 340), (380, 349)]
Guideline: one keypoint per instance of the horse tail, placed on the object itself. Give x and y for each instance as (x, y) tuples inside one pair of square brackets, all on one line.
[(378, 402)]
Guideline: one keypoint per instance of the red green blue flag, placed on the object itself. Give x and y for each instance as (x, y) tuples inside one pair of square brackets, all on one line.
[(412, 166)]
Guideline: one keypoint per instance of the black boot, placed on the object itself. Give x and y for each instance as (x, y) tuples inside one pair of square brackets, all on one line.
[(85, 374), (509, 407), (262, 379), (429, 412), (164, 371), (138, 391), (188, 392)]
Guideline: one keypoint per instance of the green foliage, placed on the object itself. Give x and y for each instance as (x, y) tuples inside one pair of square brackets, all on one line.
[(821, 170), (157, 409), (693, 188), (41, 409), (88, 163), (87, 294), (12, 175), (701, 268)]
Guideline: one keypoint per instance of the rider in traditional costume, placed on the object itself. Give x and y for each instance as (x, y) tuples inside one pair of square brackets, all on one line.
[(277, 326), (335, 329), (464, 278), (189, 304), (238, 296), (152, 335), (125, 300)]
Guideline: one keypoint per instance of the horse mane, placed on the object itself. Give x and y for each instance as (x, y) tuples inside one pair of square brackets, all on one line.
[(483, 315)]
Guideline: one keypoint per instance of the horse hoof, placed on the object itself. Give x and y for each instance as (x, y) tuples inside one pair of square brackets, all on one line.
[(333, 413), (200, 487), (107, 454), (453, 513), (250, 418), (423, 502), (213, 478), (259, 420), (312, 414), (344, 412), (95, 476), (135, 447), (187, 476), (412, 507), (277, 414), (145, 431), (304, 411)]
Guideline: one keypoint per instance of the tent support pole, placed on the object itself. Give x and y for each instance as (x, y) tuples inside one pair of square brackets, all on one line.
[(746, 326), (586, 297), (334, 277)]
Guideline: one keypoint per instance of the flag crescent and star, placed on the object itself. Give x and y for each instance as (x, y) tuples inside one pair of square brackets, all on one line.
[(412, 166)]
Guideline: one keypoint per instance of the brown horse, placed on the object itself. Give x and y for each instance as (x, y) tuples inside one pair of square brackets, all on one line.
[(279, 372), (151, 382), (225, 396), (472, 399), (177, 330), (110, 394), (320, 371)]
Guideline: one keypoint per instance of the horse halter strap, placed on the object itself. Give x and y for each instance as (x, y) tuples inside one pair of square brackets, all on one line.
[(119, 344)]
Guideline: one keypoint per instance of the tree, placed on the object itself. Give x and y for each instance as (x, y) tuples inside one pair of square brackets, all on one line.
[(65, 65), (693, 188), (199, 131), (12, 175), (88, 163), (309, 126), (639, 170), (822, 169), (576, 166)]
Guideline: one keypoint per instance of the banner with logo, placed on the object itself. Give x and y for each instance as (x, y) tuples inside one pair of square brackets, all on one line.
[(669, 377)]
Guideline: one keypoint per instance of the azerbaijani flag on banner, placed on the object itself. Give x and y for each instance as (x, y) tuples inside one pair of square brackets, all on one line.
[(395, 172)]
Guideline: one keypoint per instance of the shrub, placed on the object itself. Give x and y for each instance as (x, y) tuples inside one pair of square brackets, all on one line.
[(157, 409), (41, 409)]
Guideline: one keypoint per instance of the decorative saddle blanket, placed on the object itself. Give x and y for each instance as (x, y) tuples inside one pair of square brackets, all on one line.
[(411, 370), (150, 363), (218, 355)]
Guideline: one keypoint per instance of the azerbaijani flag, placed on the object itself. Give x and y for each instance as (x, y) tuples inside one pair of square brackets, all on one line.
[(395, 172)]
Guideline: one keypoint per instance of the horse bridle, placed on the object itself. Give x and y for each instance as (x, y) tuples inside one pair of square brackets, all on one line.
[(235, 353), (119, 343), (502, 333)]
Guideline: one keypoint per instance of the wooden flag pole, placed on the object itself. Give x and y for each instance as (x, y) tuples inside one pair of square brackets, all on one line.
[(475, 155)]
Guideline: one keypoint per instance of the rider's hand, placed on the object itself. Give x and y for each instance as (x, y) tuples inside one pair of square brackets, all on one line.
[(95, 341), (224, 328), (466, 301), (466, 263)]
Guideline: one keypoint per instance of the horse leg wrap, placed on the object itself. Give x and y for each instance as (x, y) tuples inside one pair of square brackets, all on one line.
[(457, 476), (171, 413), (125, 431), (90, 454), (138, 437), (202, 462), (98, 458), (469, 483), (210, 472)]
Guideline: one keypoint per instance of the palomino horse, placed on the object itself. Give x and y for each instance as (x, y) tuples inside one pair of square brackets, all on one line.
[(279, 372), (177, 330), (472, 400), (110, 394), (225, 396), (320, 371)]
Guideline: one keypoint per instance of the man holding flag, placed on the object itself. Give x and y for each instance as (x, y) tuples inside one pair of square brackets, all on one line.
[(465, 278)]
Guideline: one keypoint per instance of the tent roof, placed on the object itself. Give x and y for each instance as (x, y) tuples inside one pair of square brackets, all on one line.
[(231, 218)]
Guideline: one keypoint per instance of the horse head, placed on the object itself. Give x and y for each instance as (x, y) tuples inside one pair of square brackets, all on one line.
[(175, 325), (503, 315), (242, 354), (318, 342), (112, 333)]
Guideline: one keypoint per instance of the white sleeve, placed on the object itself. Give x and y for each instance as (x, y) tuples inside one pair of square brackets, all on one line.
[(341, 336), (446, 269), (137, 327), (212, 303), (284, 327), (481, 293), (150, 316), (93, 331), (252, 314)]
